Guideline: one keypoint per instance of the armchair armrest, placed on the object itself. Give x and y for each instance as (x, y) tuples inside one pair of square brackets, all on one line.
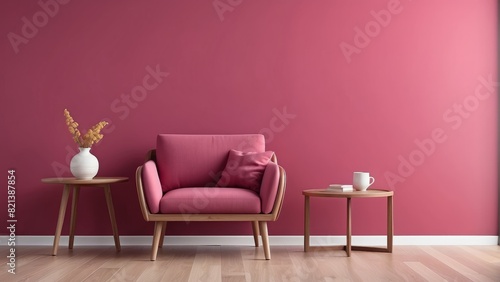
[(269, 187), (151, 186)]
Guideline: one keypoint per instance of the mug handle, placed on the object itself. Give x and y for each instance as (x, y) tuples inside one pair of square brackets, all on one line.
[(372, 179)]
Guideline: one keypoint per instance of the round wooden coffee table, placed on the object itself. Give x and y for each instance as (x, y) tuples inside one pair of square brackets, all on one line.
[(71, 182), (323, 193)]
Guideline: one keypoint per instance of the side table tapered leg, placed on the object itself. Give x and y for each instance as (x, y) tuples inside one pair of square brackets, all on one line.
[(348, 231), (74, 206), (60, 219), (109, 201), (306, 224), (390, 225)]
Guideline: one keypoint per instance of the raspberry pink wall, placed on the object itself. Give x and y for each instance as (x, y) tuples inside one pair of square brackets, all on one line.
[(403, 89)]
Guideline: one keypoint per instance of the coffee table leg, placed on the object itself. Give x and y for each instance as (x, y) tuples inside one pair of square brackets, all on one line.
[(348, 231), (60, 219), (109, 201), (306, 223), (390, 225), (74, 206)]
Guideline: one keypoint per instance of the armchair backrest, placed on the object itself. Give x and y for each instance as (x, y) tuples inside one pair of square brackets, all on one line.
[(197, 160)]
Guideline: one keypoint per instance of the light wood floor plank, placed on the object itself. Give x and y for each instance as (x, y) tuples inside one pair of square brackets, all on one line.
[(232, 268), (436, 265), (456, 265), (247, 263), (154, 272), (305, 269), (88, 268), (101, 274), (131, 271), (28, 255), (370, 266), (206, 265), (64, 272), (45, 265), (483, 253), (426, 273), (476, 262), (180, 261), (281, 266)]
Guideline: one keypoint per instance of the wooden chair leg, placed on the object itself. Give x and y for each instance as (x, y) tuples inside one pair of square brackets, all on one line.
[(163, 229), (256, 232), (156, 238), (265, 239)]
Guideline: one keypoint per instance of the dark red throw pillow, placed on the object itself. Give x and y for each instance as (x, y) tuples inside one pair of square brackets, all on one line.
[(244, 169)]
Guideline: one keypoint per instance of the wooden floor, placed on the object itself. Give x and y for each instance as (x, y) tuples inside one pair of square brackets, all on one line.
[(237, 263)]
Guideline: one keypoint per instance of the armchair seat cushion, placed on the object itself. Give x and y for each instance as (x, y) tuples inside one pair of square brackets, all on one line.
[(210, 200)]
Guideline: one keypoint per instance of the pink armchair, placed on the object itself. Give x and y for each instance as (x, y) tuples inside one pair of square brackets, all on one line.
[(211, 178)]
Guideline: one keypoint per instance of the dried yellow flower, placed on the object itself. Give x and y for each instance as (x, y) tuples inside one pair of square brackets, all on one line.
[(91, 137)]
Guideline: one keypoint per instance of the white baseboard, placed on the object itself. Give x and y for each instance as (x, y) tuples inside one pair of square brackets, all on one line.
[(248, 240)]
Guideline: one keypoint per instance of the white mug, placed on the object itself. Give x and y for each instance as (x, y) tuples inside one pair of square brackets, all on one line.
[(362, 180)]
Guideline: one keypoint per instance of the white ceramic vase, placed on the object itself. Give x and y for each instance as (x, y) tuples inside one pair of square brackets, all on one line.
[(84, 165)]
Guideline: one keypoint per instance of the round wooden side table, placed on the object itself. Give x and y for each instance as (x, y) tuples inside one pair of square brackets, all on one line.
[(324, 193), (73, 184)]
